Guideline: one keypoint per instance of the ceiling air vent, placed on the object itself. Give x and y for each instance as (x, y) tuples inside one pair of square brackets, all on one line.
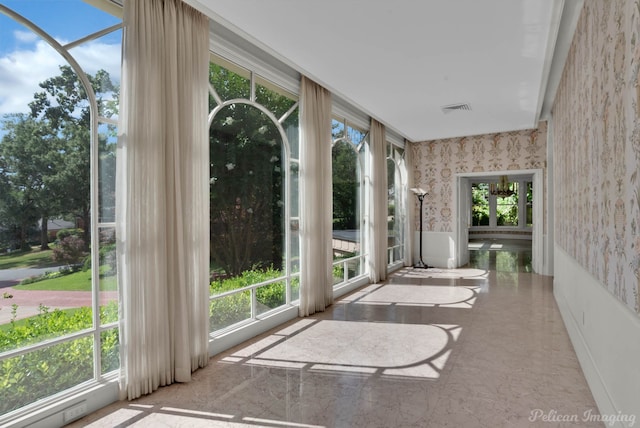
[(455, 107)]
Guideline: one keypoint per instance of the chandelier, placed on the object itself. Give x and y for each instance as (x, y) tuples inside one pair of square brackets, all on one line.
[(502, 188)]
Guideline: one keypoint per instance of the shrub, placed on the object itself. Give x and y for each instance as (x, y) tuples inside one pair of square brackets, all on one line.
[(70, 250), (43, 372), (65, 233)]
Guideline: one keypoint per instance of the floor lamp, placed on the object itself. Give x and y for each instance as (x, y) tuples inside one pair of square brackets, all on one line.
[(420, 193)]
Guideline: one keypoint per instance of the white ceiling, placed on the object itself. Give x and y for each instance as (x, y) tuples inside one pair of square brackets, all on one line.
[(401, 61)]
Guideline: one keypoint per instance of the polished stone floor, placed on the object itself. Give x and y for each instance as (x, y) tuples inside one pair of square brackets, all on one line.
[(481, 346)]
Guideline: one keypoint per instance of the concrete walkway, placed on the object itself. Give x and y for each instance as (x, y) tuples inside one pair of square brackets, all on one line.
[(28, 301)]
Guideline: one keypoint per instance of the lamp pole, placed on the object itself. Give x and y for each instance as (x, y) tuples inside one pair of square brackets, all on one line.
[(420, 194)]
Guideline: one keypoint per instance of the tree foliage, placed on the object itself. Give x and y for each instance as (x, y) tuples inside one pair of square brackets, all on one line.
[(45, 155), (480, 204)]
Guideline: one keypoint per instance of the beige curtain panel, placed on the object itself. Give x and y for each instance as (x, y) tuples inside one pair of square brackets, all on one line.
[(316, 257), (162, 195), (378, 209)]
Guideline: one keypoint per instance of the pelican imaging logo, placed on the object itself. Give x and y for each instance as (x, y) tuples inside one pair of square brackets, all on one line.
[(588, 416)]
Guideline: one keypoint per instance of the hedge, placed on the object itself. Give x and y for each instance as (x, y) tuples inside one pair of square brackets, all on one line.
[(44, 372)]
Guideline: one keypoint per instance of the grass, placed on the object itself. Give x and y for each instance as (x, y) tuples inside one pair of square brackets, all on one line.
[(35, 258), (78, 281)]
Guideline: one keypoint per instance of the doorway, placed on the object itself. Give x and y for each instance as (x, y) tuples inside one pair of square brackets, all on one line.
[(464, 218)]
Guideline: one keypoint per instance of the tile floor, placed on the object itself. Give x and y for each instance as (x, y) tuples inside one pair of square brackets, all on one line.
[(481, 346)]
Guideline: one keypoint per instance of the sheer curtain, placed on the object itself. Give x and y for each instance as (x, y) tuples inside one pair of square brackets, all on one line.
[(162, 215), (316, 257), (410, 201), (378, 209)]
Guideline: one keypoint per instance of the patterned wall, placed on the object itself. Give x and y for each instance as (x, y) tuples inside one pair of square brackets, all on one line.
[(597, 147), (438, 162)]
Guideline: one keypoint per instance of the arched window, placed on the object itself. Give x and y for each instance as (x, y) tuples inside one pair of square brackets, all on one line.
[(58, 329), (396, 213), (349, 150), (253, 213)]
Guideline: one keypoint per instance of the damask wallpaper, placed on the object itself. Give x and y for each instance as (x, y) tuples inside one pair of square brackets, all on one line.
[(438, 162), (597, 147)]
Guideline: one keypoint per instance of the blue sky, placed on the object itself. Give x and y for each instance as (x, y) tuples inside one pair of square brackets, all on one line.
[(26, 60)]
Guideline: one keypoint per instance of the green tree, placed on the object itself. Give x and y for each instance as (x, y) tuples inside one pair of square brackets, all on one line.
[(63, 113), (29, 162)]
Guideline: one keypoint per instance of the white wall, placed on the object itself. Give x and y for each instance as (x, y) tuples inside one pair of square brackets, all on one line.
[(438, 249), (606, 336)]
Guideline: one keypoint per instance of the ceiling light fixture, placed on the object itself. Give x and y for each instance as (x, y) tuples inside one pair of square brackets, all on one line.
[(503, 188)]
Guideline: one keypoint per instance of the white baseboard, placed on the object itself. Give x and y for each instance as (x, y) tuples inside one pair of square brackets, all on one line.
[(605, 335)]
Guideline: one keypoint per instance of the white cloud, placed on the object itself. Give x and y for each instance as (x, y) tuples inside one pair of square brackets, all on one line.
[(23, 69), (25, 36)]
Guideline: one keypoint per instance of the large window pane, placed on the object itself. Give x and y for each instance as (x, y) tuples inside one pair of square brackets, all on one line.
[(253, 195), (274, 98), (228, 84), (270, 296), (46, 213), (107, 178), (507, 208), (108, 282), (229, 310), (109, 350), (346, 200), (30, 377), (348, 163), (247, 195)]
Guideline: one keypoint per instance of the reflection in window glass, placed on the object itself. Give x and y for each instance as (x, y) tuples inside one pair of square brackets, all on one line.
[(394, 207)]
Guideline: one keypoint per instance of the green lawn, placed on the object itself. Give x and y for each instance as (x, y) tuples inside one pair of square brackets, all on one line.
[(78, 281), (27, 259)]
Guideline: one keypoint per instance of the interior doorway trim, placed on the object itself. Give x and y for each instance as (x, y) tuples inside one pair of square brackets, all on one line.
[(463, 208)]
